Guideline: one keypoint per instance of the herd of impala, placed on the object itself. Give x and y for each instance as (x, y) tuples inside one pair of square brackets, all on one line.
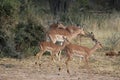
[(64, 34)]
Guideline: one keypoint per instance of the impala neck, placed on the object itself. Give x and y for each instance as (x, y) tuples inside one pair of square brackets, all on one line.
[(74, 34), (95, 47)]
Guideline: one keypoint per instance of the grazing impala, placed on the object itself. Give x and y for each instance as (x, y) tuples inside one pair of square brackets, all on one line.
[(77, 50), (51, 47), (69, 32)]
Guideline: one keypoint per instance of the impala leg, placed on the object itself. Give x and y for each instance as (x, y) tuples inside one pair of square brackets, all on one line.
[(67, 65), (86, 61), (51, 58), (58, 55), (87, 65), (52, 38), (38, 57), (60, 62)]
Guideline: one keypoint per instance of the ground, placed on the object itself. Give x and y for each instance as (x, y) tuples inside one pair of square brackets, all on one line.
[(25, 69)]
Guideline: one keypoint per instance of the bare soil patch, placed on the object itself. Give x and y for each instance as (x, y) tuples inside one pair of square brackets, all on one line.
[(25, 69)]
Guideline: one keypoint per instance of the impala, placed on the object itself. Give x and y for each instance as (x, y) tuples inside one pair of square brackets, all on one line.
[(57, 34), (50, 47), (77, 50), (69, 32)]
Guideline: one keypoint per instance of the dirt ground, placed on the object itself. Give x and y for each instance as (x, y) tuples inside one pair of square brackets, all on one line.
[(25, 69)]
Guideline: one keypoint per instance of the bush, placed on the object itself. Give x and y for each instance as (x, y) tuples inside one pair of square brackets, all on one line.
[(9, 7), (27, 37)]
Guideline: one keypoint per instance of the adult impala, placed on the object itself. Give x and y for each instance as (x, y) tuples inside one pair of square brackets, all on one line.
[(70, 33), (77, 50)]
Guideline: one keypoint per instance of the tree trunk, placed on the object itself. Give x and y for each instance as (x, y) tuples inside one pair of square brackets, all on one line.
[(59, 6), (117, 4)]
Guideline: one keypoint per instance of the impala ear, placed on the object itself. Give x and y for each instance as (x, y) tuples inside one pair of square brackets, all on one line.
[(64, 37), (100, 44), (82, 28)]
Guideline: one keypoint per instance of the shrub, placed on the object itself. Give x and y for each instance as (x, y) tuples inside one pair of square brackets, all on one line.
[(27, 37)]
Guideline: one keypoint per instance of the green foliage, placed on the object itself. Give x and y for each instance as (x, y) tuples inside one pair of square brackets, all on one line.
[(18, 35), (28, 36), (9, 7), (83, 3)]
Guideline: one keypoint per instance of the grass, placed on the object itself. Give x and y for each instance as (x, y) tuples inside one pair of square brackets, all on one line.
[(105, 65), (99, 64), (107, 31)]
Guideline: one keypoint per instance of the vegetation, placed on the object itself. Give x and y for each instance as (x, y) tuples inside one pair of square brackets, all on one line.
[(23, 22)]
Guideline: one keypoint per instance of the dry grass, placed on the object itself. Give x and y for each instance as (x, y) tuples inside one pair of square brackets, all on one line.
[(101, 67), (105, 26)]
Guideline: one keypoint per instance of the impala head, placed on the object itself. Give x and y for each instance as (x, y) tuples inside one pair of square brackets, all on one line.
[(60, 25), (99, 44), (80, 31)]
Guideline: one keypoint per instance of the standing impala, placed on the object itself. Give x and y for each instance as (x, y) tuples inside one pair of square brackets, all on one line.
[(69, 32), (77, 50), (50, 47)]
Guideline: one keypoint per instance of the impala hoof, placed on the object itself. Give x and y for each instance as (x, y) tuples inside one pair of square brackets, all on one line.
[(39, 65), (68, 71), (59, 69), (35, 63)]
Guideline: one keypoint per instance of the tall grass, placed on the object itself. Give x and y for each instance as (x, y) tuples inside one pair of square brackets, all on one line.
[(105, 26)]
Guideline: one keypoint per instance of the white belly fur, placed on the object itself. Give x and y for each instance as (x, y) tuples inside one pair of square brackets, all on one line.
[(59, 38)]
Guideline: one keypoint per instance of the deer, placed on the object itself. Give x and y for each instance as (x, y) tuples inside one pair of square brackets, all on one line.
[(77, 50), (50, 47)]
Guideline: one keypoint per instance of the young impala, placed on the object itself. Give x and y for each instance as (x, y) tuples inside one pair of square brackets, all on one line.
[(50, 47), (77, 50)]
